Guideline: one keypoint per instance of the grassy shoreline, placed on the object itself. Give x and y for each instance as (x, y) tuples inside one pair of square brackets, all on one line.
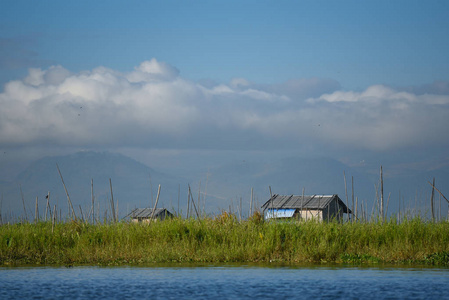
[(224, 239)]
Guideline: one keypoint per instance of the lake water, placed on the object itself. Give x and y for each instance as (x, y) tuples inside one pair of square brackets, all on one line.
[(224, 282)]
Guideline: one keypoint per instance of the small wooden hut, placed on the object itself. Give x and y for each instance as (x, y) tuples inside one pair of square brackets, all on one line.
[(145, 214), (318, 207)]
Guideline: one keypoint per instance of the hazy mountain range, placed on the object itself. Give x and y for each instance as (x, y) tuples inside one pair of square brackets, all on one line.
[(221, 187)]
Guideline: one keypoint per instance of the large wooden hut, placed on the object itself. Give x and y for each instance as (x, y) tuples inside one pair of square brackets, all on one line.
[(317, 207)]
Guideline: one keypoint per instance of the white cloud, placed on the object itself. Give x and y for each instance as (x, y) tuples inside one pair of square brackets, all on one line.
[(338, 96), (152, 70), (383, 118), (153, 106), (239, 83)]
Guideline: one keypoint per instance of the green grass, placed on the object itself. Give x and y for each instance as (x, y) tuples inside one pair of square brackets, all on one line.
[(225, 239)]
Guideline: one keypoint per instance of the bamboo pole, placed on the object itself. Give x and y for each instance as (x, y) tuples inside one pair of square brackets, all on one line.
[(194, 206), (431, 201), (439, 192), (388, 202), (362, 212), (366, 211), (302, 202), (205, 193), (179, 195), (53, 219), (271, 200), (47, 207), (23, 202), (92, 196), (352, 196), (66, 192), (82, 215), (346, 193), (199, 196), (89, 214), (1, 204), (381, 194), (377, 203), (36, 212), (188, 203), (240, 209), (155, 204), (251, 203), (112, 202)]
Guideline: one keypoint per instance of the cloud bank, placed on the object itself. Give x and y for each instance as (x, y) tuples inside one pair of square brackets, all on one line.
[(153, 106)]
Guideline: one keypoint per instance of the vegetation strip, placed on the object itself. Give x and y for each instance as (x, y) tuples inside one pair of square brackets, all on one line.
[(225, 239)]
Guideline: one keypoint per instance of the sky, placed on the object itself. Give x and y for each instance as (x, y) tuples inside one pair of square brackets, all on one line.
[(352, 80)]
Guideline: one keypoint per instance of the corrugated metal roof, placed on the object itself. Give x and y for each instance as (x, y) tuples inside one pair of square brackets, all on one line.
[(304, 202), (146, 213)]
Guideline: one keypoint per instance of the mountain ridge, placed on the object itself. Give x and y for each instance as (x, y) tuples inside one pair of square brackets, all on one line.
[(135, 184)]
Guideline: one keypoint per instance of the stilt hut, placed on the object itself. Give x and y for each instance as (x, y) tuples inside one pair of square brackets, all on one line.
[(145, 214), (317, 207)]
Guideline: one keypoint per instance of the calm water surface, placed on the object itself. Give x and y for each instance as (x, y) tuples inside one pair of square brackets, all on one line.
[(225, 282)]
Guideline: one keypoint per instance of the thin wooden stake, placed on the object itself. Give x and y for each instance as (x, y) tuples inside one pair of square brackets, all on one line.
[(82, 215), (388, 202), (199, 196), (89, 214), (362, 211), (352, 185), (271, 198), (155, 204), (66, 192), (346, 193), (179, 195), (116, 211), (193, 202), (112, 202), (92, 195), (431, 201), (188, 203), (205, 193), (53, 219), (23, 202), (439, 192), (240, 210), (302, 202), (1, 204), (251, 203), (381, 194), (36, 213)]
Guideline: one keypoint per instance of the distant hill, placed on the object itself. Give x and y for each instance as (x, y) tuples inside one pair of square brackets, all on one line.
[(221, 188), (234, 180), (132, 183), (285, 176)]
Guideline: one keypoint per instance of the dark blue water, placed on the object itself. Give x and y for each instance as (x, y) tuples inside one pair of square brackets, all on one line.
[(224, 282)]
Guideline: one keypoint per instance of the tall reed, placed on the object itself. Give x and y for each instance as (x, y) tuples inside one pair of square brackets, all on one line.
[(225, 239)]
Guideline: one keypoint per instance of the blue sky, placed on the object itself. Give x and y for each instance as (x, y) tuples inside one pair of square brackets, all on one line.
[(358, 43), (346, 79)]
